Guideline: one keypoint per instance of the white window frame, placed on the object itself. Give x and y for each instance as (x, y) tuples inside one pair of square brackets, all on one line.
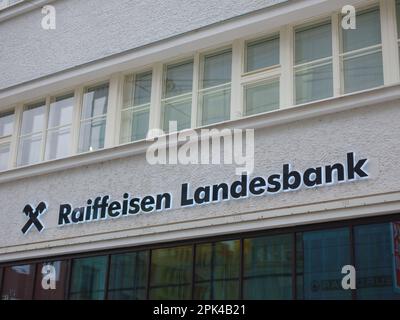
[(8, 139)]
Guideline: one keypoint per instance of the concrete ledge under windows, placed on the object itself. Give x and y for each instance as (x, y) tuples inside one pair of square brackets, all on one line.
[(278, 117)]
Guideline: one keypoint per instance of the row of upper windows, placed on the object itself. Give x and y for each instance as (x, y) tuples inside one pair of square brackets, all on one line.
[(197, 92)]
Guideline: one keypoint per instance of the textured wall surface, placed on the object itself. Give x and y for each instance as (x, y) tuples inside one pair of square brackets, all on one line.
[(93, 29), (309, 143)]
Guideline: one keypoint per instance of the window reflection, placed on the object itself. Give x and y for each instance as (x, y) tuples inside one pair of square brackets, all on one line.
[(18, 282)]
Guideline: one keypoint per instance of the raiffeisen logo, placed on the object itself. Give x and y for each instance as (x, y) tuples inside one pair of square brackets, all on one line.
[(288, 180), (33, 215)]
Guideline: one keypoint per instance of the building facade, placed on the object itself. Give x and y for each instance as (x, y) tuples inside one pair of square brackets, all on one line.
[(79, 198)]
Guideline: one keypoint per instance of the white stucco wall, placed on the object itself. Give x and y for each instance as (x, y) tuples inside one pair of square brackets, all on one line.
[(371, 132), (93, 29)]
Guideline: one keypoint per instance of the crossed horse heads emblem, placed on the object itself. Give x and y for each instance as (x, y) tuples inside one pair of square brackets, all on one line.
[(33, 215)]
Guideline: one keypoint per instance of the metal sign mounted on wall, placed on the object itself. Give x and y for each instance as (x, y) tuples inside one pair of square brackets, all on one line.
[(288, 180)]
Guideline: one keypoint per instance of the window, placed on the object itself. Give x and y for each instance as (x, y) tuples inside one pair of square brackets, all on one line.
[(128, 276), (215, 91), (398, 20), (177, 95), (313, 70), (88, 278), (361, 56), (18, 282), (6, 131), (58, 143), (375, 261), (268, 267), (8, 3), (217, 271), (31, 134), (93, 118), (136, 107), (60, 268), (171, 273), (261, 86), (323, 255)]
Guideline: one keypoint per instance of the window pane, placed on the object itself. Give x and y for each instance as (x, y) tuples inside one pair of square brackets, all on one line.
[(4, 156), (60, 268), (171, 273), (216, 106), (92, 135), (367, 33), (179, 111), (6, 124), (58, 144), (88, 278), (262, 97), (325, 253), (18, 283), (376, 262), (128, 276), (179, 79), (262, 54), (61, 111), (398, 17), (95, 102), (363, 72), (217, 270), (268, 267), (217, 69), (314, 83), (33, 119), (137, 89), (313, 43), (29, 150), (135, 124)]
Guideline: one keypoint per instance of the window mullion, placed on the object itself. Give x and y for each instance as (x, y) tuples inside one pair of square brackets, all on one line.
[(15, 137), (286, 60), (390, 49), (44, 132), (156, 93), (76, 122), (195, 91), (112, 111), (336, 55), (237, 68)]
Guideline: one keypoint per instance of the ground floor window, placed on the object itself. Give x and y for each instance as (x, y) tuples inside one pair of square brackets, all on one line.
[(296, 263)]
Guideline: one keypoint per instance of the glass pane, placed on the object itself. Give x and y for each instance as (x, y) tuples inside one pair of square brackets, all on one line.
[(179, 79), (135, 124), (314, 83), (179, 111), (128, 276), (137, 91), (33, 119), (378, 271), (95, 102), (216, 106), (171, 273), (29, 150), (262, 54), (4, 156), (313, 43), (61, 111), (217, 69), (217, 270), (325, 253), (268, 267), (58, 144), (60, 268), (398, 17), (18, 283), (6, 124), (262, 97), (88, 278), (367, 33), (92, 135), (363, 72)]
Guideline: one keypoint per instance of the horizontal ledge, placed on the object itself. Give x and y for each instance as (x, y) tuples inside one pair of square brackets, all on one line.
[(265, 120)]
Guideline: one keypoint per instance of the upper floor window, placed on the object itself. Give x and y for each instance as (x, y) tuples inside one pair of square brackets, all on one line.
[(136, 107), (6, 131), (93, 118), (313, 63), (261, 81), (215, 87), (177, 94), (8, 3), (361, 57)]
